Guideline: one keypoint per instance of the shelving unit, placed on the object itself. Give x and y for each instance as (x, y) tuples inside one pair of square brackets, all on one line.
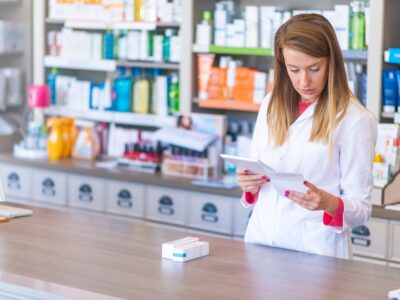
[(382, 17), (111, 65)]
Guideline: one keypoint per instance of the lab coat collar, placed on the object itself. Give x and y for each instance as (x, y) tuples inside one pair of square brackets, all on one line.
[(308, 113)]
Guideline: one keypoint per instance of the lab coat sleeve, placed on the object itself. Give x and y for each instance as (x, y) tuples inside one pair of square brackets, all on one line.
[(259, 133), (356, 152)]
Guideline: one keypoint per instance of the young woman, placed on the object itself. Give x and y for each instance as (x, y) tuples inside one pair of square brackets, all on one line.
[(311, 124)]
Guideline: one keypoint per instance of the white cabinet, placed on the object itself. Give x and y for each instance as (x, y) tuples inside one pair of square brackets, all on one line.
[(50, 187), (394, 246), (371, 239), (16, 180), (241, 216), (166, 205), (125, 198), (210, 212), (86, 192)]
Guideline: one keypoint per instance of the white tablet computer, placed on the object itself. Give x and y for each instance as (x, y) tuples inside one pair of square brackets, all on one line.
[(255, 166)]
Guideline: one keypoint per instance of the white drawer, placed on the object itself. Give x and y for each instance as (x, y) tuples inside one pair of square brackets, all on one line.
[(394, 249), (85, 192), (166, 205), (209, 212), (241, 216), (16, 181), (50, 187), (371, 239), (125, 198)]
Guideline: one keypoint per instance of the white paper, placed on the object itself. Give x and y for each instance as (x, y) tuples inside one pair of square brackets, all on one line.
[(280, 181)]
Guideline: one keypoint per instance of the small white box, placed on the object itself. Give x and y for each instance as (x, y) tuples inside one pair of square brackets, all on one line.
[(168, 248), (190, 251)]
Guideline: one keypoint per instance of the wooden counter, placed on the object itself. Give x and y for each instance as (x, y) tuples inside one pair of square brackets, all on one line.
[(121, 258)]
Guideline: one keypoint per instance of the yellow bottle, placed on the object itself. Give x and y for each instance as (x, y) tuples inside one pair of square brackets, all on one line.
[(139, 10), (66, 137), (55, 139)]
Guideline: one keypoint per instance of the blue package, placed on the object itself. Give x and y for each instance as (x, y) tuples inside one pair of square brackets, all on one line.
[(389, 90)]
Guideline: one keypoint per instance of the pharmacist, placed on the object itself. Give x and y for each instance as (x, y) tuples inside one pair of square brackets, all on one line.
[(311, 124)]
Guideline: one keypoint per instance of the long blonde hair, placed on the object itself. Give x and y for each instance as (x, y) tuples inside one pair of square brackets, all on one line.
[(313, 35)]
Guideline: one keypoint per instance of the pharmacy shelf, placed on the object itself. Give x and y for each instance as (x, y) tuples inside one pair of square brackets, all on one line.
[(148, 65), (355, 54), (112, 117), (232, 50), (99, 25), (228, 105), (63, 63)]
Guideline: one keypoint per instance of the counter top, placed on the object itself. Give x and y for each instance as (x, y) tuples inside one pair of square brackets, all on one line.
[(120, 257), (89, 168)]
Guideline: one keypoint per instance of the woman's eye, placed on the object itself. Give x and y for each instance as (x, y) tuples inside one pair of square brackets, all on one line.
[(294, 71), (315, 70)]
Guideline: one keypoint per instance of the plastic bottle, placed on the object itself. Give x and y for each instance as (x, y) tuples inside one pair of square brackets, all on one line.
[(167, 44), (357, 25), (203, 30), (122, 91), (51, 81), (139, 10), (108, 45), (136, 76), (142, 95), (66, 138), (173, 94), (154, 92), (55, 139)]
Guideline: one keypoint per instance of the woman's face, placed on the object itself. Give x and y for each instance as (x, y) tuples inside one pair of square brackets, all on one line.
[(307, 73)]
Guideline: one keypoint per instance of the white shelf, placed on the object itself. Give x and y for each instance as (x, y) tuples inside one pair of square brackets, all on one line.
[(63, 63), (148, 65), (112, 117), (99, 25)]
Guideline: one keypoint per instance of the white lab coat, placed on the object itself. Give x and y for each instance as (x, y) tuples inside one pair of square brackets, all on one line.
[(278, 221)]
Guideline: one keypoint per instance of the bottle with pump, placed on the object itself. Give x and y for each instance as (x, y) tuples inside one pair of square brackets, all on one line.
[(173, 94), (357, 25), (51, 81)]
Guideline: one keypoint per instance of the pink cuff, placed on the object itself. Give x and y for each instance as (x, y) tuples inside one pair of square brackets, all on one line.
[(250, 198), (337, 219)]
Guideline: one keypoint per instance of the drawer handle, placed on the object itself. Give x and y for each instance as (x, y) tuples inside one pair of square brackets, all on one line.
[(85, 193), (123, 203), (210, 213), (48, 187), (86, 198), (360, 242), (13, 182), (166, 210), (209, 218)]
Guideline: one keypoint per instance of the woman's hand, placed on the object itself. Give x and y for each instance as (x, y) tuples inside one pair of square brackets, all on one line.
[(315, 199), (249, 182)]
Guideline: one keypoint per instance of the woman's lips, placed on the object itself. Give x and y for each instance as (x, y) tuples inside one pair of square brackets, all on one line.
[(308, 92)]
